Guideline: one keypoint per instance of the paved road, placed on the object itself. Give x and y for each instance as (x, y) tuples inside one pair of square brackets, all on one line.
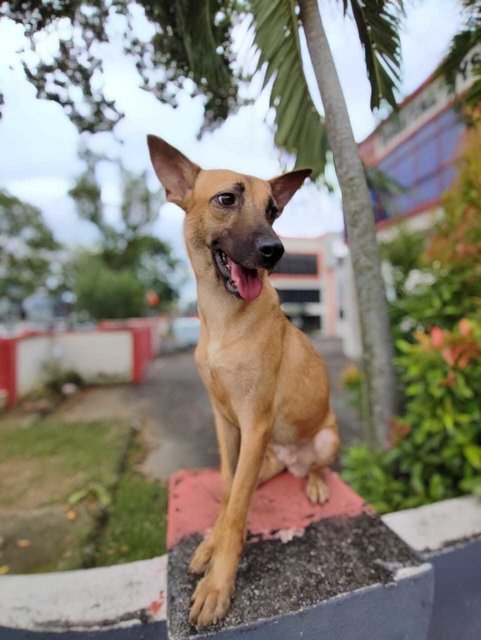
[(180, 415), (174, 409)]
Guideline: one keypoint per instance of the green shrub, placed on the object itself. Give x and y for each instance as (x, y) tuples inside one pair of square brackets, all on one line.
[(436, 450), (352, 381), (105, 293)]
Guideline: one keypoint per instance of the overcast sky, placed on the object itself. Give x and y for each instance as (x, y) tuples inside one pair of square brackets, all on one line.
[(38, 144)]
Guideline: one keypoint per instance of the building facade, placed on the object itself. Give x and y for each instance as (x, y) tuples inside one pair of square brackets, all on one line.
[(417, 148), (308, 283)]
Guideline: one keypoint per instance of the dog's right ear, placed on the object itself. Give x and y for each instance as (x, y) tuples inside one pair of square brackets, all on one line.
[(176, 172)]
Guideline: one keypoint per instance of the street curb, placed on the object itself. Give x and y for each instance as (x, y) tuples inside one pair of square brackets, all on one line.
[(86, 600)]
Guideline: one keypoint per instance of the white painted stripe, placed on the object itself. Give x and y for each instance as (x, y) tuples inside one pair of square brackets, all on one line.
[(120, 595), (433, 526)]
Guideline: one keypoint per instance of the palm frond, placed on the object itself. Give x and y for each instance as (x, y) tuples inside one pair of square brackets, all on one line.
[(300, 128), (461, 45), (378, 23)]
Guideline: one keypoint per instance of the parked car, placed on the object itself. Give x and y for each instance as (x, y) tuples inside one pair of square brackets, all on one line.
[(185, 331)]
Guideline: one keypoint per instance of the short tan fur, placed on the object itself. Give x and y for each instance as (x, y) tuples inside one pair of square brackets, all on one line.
[(268, 387)]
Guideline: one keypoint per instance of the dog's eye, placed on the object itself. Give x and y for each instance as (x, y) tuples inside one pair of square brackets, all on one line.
[(272, 212), (226, 199)]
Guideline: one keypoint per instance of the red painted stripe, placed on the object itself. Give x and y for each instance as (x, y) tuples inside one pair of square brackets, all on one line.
[(278, 505), (8, 369)]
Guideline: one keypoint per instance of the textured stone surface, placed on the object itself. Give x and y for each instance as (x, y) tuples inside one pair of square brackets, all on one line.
[(334, 556)]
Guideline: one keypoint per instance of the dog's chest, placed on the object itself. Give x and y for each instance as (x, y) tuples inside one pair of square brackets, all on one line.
[(230, 374)]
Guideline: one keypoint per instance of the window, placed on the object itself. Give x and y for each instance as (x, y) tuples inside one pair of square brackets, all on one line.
[(297, 264), (299, 295), (422, 165)]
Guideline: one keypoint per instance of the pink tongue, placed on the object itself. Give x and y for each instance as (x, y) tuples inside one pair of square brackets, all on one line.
[(248, 282)]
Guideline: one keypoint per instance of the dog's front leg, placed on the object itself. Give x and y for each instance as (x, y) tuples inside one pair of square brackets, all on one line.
[(211, 599), (228, 440)]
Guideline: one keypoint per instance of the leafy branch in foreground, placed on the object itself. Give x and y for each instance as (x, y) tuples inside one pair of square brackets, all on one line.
[(464, 43)]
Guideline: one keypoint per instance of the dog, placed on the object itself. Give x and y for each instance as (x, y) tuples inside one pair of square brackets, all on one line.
[(268, 387)]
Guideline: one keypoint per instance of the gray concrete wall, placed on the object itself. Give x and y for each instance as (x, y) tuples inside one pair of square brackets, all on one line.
[(448, 535), (383, 612), (457, 593)]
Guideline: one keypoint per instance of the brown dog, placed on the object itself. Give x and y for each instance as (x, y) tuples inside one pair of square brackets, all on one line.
[(268, 387)]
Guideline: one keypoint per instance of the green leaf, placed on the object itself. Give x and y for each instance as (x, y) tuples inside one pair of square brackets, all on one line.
[(473, 455), (300, 128), (461, 45), (378, 24), (436, 487), (94, 489)]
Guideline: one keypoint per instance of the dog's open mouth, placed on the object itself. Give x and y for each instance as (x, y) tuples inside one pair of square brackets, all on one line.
[(240, 281)]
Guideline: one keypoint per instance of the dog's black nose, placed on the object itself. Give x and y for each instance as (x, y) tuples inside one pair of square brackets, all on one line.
[(271, 250)]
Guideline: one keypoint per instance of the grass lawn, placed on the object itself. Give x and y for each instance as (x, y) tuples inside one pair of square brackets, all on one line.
[(45, 462), (135, 528), (50, 461)]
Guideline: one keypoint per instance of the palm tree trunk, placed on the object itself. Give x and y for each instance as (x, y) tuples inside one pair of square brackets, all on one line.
[(375, 333)]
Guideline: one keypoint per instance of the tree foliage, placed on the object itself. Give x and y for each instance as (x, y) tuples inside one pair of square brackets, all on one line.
[(378, 23), (130, 245), (27, 247), (187, 39), (105, 293), (467, 41), (193, 39), (437, 439)]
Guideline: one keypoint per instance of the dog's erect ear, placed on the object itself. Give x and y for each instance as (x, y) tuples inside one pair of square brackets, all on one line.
[(176, 172), (284, 186)]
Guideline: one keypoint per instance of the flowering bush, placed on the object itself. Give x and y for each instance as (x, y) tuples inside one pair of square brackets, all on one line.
[(352, 378), (447, 268), (436, 443), (436, 450)]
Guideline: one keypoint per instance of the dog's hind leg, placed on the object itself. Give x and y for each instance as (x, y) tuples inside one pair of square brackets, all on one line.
[(228, 439), (271, 466), (326, 446)]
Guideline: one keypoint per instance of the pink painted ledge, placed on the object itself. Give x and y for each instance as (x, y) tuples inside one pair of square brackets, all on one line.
[(279, 505)]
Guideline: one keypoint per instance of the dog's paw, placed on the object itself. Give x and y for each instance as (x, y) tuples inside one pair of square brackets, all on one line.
[(211, 601), (316, 489), (202, 556)]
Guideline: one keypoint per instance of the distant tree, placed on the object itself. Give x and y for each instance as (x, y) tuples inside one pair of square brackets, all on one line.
[(104, 292), (27, 248), (130, 245)]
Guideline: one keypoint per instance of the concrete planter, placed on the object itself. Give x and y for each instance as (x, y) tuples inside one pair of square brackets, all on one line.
[(333, 571), (339, 574), (447, 534), (368, 587)]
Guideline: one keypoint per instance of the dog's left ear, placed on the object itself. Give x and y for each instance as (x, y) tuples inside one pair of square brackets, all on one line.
[(174, 170), (284, 186)]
